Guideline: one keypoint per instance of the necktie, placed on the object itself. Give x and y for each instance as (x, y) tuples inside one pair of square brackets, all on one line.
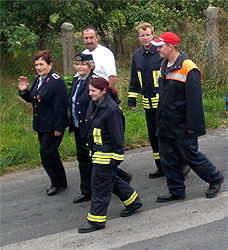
[(74, 103), (40, 82)]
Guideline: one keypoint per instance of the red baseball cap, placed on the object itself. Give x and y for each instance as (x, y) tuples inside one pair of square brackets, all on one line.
[(166, 37)]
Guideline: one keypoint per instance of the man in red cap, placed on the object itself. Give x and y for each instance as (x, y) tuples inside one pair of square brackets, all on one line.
[(181, 120)]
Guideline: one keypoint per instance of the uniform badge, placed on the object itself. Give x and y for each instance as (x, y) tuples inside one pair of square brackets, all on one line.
[(54, 75), (78, 58), (47, 80)]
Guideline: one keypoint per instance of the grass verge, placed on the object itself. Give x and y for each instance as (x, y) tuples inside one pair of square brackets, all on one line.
[(19, 143)]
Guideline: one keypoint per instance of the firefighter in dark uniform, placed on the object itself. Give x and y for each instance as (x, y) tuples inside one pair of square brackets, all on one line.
[(79, 100), (105, 135), (144, 80), (48, 96), (181, 121)]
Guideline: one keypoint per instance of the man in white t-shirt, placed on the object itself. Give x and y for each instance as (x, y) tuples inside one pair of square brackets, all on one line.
[(103, 57), (105, 67)]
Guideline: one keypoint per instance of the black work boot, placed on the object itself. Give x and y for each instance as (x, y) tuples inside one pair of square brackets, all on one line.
[(158, 173), (130, 209)]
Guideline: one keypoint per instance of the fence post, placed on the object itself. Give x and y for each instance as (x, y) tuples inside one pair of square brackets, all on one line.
[(213, 39), (68, 46)]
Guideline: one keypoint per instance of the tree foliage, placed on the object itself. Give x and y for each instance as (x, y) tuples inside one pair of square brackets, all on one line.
[(28, 24)]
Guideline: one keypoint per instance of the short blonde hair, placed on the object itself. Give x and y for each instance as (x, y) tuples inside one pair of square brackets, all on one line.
[(145, 26), (90, 63)]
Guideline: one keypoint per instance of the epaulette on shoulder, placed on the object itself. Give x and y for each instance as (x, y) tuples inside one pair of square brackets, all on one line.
[(56, 76)]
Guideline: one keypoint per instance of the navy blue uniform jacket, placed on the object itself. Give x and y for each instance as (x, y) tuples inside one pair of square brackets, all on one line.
[(83, 100), (49, 102)]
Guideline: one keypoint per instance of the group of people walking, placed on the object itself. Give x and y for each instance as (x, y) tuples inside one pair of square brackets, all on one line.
[(172, 98)]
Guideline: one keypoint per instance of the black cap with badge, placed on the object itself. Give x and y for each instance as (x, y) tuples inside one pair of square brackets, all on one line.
[(83, 57)]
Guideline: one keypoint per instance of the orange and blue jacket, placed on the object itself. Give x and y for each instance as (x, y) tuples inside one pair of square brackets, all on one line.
[(180, 106)]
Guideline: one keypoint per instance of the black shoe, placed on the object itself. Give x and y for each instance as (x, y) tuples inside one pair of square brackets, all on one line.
[(170, 197), (49, 188), (156, 174), (186, 170), (55, 190), (90, 227), (82, 198), (214, 189), (129, 210)]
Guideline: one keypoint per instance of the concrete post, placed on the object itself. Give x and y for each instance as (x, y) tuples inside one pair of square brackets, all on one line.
[(68, 46), (213, 39)]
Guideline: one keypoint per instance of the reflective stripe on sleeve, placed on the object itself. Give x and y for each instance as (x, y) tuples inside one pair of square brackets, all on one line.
[(133, 94), (105, 158)]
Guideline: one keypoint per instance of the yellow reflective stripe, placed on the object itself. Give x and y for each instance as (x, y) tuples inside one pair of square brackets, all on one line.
[(96, 218), (155, 99), (101, 158), (154, 102), (154, 105), (101, 161), (156, 156), (146, 104), (133, 94), (97, 136), (155, 77), (145, 99), (104, 158), (176, 76), (118, 157), (102, 155), (140, 77), (131, 199)]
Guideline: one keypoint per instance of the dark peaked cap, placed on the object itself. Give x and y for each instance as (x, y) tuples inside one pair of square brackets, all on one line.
[(83, 57)]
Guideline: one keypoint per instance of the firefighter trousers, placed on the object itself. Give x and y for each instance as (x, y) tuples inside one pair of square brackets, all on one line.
[(104, 183), (151, 127), (172, 151)]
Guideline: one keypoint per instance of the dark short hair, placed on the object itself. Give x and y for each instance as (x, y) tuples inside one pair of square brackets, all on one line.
[(90, 27), (45, 55)]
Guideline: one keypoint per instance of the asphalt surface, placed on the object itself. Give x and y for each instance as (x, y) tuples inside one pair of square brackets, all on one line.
[(30, 220)]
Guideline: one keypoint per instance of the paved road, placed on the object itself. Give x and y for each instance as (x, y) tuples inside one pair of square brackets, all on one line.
[(30, 220)]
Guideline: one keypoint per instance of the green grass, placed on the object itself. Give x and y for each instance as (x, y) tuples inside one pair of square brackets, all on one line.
[(19, 143)]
